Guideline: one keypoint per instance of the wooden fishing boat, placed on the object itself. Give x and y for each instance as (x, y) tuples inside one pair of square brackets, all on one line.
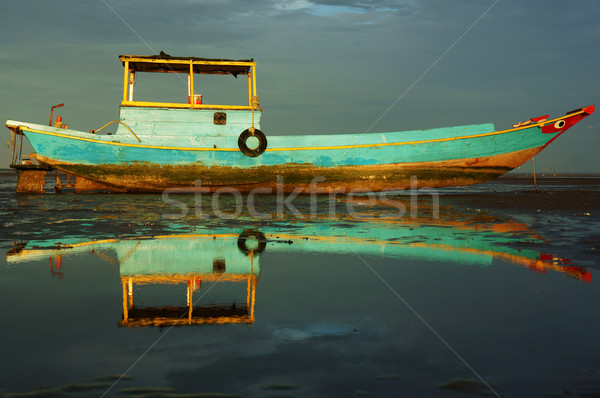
[(160, 146)]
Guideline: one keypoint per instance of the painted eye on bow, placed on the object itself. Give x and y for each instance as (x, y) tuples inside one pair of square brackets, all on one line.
[(560, 124)]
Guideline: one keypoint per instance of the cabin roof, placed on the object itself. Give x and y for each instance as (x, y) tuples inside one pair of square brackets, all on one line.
[(178, 316), (165, 63)]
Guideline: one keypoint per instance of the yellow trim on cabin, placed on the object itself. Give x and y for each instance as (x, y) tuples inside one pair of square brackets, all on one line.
[(303, 148), (253, 73), (181, 105), (250, 89), (191, 96), (125, 81), (251, 76), (185, 61)]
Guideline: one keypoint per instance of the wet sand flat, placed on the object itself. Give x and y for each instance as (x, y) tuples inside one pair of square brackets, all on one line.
[(496, 296)]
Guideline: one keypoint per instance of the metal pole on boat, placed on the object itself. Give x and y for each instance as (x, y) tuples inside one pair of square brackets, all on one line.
[(249, 88), (125, 79), (191, 85), (52, 111), (125, 295), (533, 167), (254, 80)]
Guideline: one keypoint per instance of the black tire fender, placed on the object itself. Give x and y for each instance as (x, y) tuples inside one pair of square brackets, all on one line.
[(251, 233), (262, 143)]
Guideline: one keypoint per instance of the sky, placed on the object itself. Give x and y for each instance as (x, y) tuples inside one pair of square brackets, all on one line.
[(327, 66)]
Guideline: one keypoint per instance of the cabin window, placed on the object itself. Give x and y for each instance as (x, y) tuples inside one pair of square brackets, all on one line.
[(220, 118)]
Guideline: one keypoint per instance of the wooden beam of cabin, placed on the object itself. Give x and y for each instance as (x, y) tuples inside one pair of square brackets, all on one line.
[(185, 61), (180, 105), (126, 81)]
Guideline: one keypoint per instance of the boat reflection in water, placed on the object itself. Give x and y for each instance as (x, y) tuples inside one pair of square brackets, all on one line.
[(189, 260), (225, 256)]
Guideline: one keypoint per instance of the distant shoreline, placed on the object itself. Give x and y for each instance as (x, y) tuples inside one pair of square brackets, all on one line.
[(550, 175)]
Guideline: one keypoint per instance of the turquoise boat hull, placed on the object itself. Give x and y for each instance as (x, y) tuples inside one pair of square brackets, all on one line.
[(161, 148), (232, 254), (455, 243)]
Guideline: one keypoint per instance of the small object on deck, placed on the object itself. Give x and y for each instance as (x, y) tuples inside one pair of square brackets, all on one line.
[(197, 99), (58, 122), (538, 119), (521, 124), (52, 111)]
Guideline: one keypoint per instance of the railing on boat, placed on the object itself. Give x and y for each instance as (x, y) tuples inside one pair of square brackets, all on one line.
[(167, 64)]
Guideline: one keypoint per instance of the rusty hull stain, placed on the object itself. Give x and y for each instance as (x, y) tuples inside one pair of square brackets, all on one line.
[(148, 177)]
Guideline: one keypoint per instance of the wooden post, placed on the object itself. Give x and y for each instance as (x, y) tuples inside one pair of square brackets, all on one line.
[(191, 93), (126, 81), (533, 167), (254, 80), (250, 89), (190, 298), (130, 291), (31, 181), (125, 306)]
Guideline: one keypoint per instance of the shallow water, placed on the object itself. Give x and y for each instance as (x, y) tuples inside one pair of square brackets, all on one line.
[(371, 299)]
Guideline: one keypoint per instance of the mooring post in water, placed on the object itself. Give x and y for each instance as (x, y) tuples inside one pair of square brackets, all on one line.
[(533, 167), (58, 184), (31, 180)]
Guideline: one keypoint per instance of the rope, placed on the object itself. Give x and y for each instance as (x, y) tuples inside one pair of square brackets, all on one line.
[(255, 105), (126, 126)]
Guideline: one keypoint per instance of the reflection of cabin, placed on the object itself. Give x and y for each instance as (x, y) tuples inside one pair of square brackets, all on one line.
[(190, 314), (192, 259), (188, 261)]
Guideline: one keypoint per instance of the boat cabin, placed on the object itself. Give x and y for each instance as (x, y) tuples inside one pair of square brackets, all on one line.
[(189, 66), (191, 313), (192, 122)]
